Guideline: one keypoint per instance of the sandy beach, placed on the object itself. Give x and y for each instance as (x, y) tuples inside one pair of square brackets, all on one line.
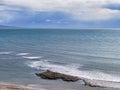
[(8, 86), (50, 86)]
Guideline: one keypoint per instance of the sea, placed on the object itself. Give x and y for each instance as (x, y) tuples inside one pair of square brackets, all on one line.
[(90, 54)]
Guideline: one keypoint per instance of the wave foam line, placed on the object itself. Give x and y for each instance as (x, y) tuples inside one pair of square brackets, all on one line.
[(93, 77), (32, 57), (6, 52), (22, 54)]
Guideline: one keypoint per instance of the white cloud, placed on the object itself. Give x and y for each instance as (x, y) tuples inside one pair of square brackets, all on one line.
[(78, 9), (6, 17)]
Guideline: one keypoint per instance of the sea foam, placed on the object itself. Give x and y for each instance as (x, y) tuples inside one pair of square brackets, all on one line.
[(93, 77), (22, 54), (9, 52), (32, 57)]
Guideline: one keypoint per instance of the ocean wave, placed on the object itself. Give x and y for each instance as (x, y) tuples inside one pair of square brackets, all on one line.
[(22, 54), (93, 77), (9, 52), (32, 57), (101, 83), (45, 65)]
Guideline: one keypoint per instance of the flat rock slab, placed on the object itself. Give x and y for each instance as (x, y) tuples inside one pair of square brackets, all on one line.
[(54, 76)]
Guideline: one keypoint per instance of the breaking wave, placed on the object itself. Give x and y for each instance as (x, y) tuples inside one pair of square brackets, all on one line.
[(32, 57), (93, 77), (22, 54), (9, 52)]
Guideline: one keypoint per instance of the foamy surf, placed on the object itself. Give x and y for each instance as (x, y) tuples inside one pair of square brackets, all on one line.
[(22, 54), (32, 57), (96, 78), (9, 52)]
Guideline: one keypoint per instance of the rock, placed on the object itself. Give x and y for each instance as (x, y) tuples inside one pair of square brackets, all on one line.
[(54, 75), (87, 83)]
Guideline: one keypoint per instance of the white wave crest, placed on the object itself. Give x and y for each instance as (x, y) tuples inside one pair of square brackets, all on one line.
[(22, 54), (6, 52), (94, 77), (32, 57)]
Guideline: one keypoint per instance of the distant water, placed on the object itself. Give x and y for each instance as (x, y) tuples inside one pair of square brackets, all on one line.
[(90, 54)]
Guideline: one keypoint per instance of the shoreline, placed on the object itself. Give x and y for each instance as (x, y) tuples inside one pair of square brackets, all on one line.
[(55, 81), (51, 75), (11, 86), (50, 86)]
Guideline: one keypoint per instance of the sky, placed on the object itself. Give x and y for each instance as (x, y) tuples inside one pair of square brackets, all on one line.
[(60, 13)]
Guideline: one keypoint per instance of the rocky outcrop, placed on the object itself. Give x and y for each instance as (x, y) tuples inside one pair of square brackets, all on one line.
[(91, 84), (54, 75)]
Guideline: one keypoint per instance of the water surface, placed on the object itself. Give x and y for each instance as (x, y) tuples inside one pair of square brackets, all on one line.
[(92, 54)]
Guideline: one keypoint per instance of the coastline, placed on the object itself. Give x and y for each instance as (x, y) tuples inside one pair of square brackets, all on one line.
[(76, 53), (9, 86), (50, 86), (55, 81)]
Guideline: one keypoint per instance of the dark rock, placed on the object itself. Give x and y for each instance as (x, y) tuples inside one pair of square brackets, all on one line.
[(87, 83), (54, 75)]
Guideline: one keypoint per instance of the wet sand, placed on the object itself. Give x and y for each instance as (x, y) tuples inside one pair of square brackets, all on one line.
[(50, 86), (7, 86), (61, 85)]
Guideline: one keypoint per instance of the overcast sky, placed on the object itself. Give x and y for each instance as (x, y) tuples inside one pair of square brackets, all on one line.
[(61, 13)]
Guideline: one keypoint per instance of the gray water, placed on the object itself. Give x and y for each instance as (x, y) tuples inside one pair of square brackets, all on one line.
[(91, 54)]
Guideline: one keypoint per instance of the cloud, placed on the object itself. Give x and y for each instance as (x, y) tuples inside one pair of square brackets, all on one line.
[(6, 16), (85, 10)]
